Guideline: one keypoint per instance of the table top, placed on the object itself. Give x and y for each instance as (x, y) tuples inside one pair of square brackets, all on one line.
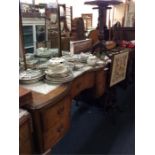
[(103, 2), (43, 93)]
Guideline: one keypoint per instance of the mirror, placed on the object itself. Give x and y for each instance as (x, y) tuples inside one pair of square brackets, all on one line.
[(40, 31)]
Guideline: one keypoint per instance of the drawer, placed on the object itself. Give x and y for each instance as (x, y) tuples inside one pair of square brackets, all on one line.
[(54, 134), (50, 116), (83, 82)]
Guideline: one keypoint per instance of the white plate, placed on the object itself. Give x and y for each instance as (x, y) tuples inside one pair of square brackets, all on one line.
[(60, 80), (57, 70)]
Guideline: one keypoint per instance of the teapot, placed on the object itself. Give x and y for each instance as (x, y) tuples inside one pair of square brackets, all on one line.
[(91, 60)]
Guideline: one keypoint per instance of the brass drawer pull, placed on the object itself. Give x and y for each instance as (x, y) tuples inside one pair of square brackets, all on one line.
[(60, 111)]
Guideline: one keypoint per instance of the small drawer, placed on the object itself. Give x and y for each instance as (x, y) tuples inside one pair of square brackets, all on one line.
[(83, 82), (54, 134), (50, 116)]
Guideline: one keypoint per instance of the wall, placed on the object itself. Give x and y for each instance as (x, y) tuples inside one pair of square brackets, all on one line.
[(79, 7)]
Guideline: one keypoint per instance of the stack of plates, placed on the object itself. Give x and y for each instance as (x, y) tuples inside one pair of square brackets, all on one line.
[(46, 53), (78, 66), (68, 58), (30, 63), (43, 66), (30, 76), (56, 61), (58, 74)]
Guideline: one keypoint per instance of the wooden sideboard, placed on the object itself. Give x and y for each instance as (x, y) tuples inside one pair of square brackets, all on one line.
[(51, 112)]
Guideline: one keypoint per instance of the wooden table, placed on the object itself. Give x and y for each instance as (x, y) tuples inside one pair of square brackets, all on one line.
[(51, 112)]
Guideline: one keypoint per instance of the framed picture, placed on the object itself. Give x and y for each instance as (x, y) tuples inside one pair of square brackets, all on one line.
[(119, 67), (53, 18)]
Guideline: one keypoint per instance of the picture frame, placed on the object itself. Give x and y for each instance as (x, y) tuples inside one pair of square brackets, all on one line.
[(119, 67)]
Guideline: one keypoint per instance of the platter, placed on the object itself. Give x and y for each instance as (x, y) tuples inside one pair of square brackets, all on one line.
[(30, 76), (59, 80)]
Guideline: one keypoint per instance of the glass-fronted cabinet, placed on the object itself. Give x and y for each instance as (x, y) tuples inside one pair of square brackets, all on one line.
[(28, 39), (40, 31)]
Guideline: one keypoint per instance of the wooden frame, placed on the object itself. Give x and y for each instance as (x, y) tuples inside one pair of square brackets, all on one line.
[(87, 20), (119, 67)]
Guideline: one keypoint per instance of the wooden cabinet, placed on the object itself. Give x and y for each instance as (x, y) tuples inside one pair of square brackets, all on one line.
[(51, 112), (25, 137), (51, 124)]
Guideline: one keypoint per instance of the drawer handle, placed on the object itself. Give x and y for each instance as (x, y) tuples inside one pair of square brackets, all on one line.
[(61, 110), (60, 129)]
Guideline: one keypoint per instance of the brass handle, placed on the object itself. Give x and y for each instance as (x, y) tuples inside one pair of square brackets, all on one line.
[(61, 110)]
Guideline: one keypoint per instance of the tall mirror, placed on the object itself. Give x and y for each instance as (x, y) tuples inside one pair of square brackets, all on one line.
[(39, 31)]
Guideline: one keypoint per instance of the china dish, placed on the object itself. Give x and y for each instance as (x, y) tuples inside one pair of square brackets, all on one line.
[(100, 63), (78, 66), (58, 74), (84, 57), (30, 76), (59, 80), (56, 61), (60, 69), (68, 58), (43, 66), (92, 60), (30, 63), (46, 53)]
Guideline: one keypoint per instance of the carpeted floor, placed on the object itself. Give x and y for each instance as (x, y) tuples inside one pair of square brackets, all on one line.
[(93, 132)]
